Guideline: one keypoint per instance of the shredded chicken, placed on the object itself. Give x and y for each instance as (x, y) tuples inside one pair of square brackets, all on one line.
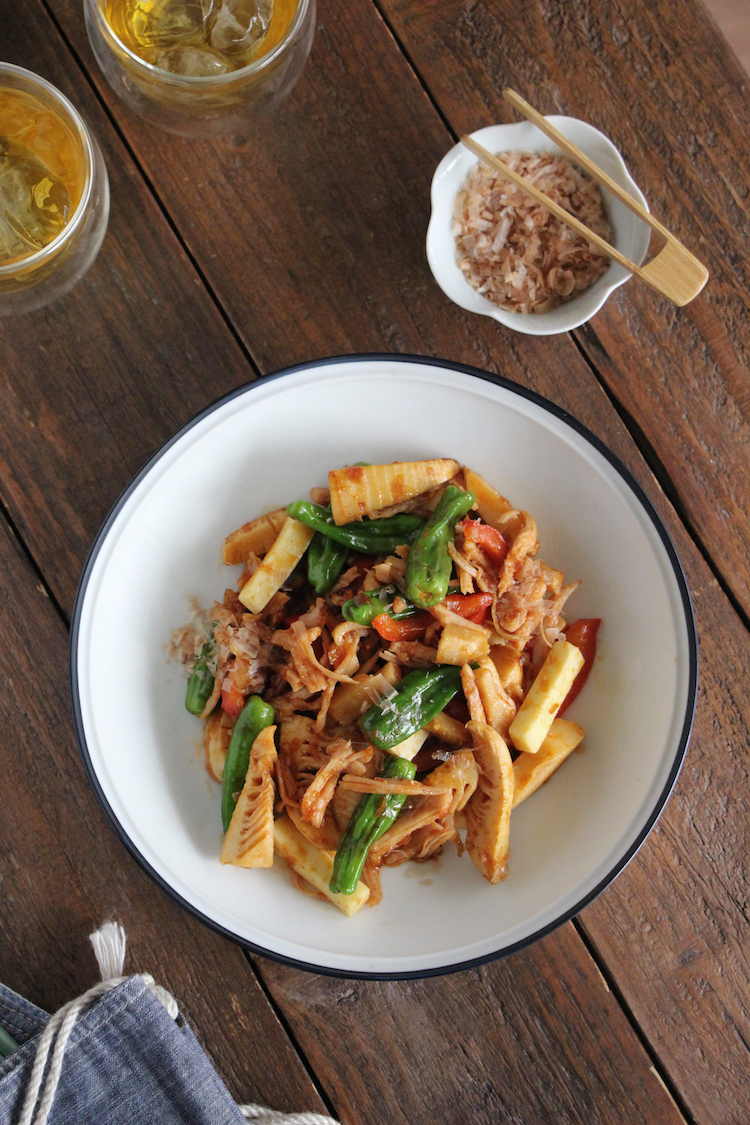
[(387, 785), (424, 811), (412, 654), (306, 669), (322, 787), (471, 691)]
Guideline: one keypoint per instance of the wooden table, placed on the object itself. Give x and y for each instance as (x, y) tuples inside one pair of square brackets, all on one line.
[(302, 238)]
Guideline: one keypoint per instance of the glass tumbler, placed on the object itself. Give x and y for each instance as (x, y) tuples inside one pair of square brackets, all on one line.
[(54, 193), (199, 105)]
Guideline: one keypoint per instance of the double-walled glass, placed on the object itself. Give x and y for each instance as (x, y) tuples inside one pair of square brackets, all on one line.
[(32, 279), (202, 106)]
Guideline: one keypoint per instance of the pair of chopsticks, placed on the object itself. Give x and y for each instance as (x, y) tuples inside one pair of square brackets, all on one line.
[(674, 272)]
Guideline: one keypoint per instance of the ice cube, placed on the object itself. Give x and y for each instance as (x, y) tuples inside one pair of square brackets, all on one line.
[(169, 23), (34, 203), (12, 244), (239, 24), (193, 62)]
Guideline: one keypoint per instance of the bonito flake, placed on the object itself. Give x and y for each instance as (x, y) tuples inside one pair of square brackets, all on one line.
[(514, 251)]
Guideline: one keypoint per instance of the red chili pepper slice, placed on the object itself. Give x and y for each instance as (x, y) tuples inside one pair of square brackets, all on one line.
[(232, 701), (582, 634), (408, 629), (486, 537), (471, 606)]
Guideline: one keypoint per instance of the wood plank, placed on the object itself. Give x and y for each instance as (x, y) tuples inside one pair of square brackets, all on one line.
[(63, 872), (290, 303), (680, 373), (498, 1043), (310, 227), (94, 383), (674, 928), (116, 348)]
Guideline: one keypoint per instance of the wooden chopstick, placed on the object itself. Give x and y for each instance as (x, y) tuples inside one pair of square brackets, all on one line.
[(674, 272), (582, 160), (560, 212)]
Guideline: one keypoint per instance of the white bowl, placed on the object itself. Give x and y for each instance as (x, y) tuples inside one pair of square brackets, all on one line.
[(630, 234), (266, 444)]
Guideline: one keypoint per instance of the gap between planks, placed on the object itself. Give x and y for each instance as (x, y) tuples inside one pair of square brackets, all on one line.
[(286, 1028), (657, 1068), (42, 584)]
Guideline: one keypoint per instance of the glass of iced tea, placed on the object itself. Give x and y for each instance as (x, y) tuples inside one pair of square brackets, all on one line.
[(200, 68), (54, 193)]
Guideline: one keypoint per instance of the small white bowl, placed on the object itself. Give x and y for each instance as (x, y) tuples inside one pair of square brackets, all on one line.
[(630, 235)]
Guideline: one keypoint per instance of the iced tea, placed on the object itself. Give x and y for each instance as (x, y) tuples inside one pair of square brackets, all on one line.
[(201, 68), (199, 38), (54, 193), (42, 174)]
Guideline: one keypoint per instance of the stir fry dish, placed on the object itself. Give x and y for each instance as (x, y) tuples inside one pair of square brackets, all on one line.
[(387, 678)]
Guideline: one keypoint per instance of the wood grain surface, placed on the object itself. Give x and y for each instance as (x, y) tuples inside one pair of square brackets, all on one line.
[(63, 871), (94, 384), (302, 238), (499, 1043), (680, 374)]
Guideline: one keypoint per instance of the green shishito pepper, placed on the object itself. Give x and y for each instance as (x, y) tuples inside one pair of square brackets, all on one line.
[(429, 566), (201, 682), (372, 817), (366, 606), (254, 716), (369, 537), (325, 560), (420, 696)]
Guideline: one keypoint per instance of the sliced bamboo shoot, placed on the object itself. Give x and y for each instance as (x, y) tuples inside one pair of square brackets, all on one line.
[(326, 837), (507, 660), (462, 644), (288, 549), (532, 770), (358, 490), (217, 734), (411, 746), (448, 729), (249, 838), (314, 866), (349, 701), (256, 537), (499, 707), (488, 811), (545, 697), (490, 504), (461, 774)]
